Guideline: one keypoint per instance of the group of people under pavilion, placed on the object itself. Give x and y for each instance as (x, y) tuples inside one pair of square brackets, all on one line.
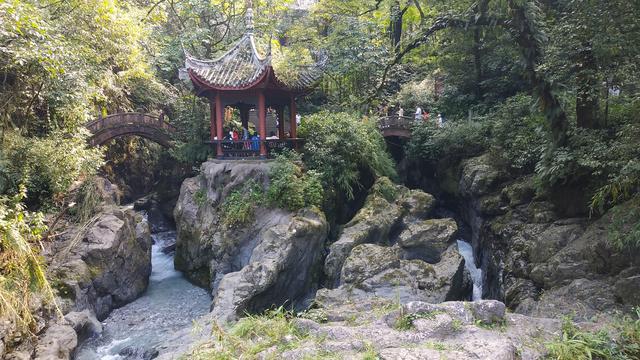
[(243, 78)]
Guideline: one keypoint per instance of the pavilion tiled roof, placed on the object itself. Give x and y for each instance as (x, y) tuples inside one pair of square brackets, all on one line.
[(243, 66), (238, 68)]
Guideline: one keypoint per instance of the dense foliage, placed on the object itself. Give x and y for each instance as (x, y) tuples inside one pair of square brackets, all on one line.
[(342, 148), (290, 187)]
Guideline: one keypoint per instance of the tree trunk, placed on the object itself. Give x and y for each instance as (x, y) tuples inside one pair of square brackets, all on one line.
[(587, 83), (395, 24), (526, 34), (477, 62)]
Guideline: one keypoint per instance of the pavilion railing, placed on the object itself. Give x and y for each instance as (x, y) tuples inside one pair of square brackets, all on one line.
[(396, 122), (241, 149)]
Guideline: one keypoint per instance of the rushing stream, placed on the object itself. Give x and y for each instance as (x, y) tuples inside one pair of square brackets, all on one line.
[(170, 304), (465, 249)]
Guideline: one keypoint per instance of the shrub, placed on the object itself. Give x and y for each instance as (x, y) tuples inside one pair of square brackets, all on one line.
[(88, 200), (512, 131), (290, 187), (341, 148), (252, 335), (624, 232), (239, 206), (518, 133), (456, 140), (48, 166)]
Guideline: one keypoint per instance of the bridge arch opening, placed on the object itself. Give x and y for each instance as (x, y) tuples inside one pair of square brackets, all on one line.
[(151, 127)]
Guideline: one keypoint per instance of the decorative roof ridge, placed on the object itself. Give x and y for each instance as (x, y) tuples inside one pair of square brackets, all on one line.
[(263, 60)]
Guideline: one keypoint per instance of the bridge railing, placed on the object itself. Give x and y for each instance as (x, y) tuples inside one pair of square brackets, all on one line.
[(126, 119), (396, 122), (240, 149)]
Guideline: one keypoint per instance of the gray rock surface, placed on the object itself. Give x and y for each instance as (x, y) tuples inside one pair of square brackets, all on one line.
[(283, 267), (536, 261), (428, 239), (391, 250), (378, 222), (58, 342), (105, 266), (273, 259), (451, 330), (373, 271), (84, 323)]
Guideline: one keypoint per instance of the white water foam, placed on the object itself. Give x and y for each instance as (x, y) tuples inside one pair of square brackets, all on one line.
[(466, 250)]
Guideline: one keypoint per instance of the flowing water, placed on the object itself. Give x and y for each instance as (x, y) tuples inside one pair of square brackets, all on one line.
[(138, 329), (466, 250)]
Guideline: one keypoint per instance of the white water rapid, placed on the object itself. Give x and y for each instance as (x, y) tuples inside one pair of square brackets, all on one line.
[(465, 249), (140, 328)]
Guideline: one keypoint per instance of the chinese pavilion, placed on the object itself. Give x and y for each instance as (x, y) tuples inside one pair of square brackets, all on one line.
[(244, 79)]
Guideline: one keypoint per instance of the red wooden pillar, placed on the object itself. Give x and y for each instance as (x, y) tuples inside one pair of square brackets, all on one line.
[(262, 120), (219, 122), (212, 106), (293, 111), (280, 110)]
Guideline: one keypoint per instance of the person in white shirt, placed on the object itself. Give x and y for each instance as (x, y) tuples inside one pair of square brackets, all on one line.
[(400, 112), (418, 115)]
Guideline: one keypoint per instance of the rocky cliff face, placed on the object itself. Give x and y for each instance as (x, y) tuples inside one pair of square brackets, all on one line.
[(273, 259), (392, 249), (106, 266), (532, 258)]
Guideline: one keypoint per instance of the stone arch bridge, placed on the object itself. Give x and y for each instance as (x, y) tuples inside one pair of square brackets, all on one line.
[(152, 127), (396, 126)]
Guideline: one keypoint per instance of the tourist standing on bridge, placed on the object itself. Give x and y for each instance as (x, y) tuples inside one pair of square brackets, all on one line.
[(418, 115), (440, 120), (400, 111)]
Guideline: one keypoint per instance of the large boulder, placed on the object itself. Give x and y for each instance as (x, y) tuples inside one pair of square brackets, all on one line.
[(283, 267), (105, 265), (392, 250), (428, 239), (206, 250), (373, 271), (388, 209), (372, 224), (58, 342), (274, 258)]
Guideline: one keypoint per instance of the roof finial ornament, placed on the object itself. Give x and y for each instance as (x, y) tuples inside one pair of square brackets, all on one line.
[(249, 17)]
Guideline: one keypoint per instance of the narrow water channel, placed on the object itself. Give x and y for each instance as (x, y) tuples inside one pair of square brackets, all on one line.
[(466, 250), (139, 329)]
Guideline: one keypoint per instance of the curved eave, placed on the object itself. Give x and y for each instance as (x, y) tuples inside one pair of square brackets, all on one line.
[(295, 89), (204, 85)]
